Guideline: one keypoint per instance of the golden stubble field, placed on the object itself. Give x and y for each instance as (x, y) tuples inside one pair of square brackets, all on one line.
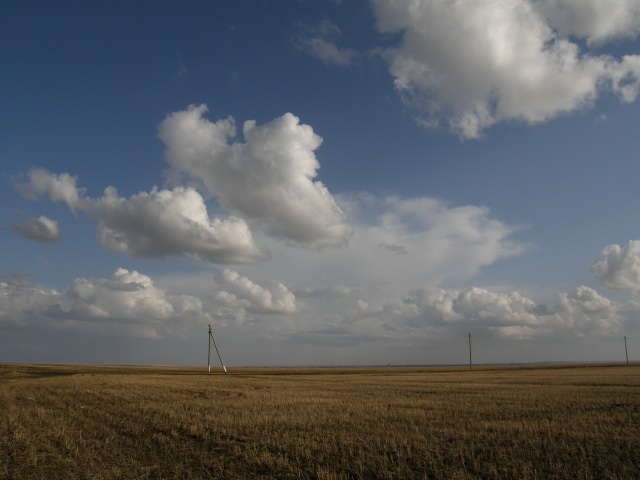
[(96, 422)]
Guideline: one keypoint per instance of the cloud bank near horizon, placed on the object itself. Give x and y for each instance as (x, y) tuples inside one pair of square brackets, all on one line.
[(132, 304), (383, 285)]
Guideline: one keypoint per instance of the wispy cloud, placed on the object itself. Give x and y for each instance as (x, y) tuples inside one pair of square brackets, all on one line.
[(320, 41)]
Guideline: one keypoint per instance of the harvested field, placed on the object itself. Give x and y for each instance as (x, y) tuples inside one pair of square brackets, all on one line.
[(99, 422)]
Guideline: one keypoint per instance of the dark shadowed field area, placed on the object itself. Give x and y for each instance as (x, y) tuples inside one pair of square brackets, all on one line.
[(99, 422)]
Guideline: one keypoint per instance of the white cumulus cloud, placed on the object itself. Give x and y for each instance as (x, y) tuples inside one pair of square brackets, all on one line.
[(474, 308), (474, 63), (505, 314), (153, 224), (161, 223), (268, 178), (127, 303), (494, 308), (256, 298), (619, 267), (587, 310)]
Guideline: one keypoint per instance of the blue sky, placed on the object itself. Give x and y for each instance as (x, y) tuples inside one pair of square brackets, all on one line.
[(360, 182)]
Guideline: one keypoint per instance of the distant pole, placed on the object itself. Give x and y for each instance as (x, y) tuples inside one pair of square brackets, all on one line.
[(209, 350), (211, 339), (470, 351), (626, 353)]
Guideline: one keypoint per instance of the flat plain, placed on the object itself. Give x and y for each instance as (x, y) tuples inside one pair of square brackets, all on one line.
[(516, 422)]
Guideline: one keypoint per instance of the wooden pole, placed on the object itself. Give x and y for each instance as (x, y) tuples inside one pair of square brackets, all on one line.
[(626, 353), (209, 350), (470, 351), (216, 347)]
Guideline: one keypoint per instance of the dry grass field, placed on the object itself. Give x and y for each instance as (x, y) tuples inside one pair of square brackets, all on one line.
[(93, 422)]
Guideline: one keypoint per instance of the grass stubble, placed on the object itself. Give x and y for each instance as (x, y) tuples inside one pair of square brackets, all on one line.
[(574, 422)]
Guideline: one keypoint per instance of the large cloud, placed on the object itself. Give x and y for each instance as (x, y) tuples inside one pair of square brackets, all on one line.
[(128, 303), (475, 63), (41, 229), (153, 224), (269, 178), (619, 267)]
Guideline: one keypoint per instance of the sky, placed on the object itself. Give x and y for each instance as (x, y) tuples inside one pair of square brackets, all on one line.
[(361, 182)]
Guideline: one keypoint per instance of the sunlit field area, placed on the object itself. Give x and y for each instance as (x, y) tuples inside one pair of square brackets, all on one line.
[(98, 422)]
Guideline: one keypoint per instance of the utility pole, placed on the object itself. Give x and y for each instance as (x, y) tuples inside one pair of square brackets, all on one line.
[(470, 351), (209, 350), (211, 339), (626, 353)]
